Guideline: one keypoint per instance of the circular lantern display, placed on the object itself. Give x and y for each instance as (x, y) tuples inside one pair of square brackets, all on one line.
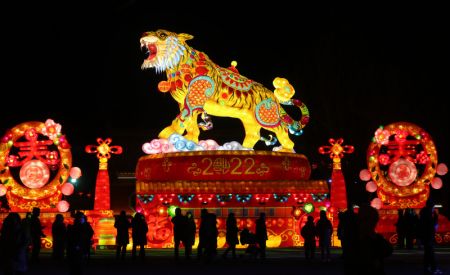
[(34, 174), (409, 161), (35, 160), (436, 183), (402, 172), (67, 189), (63, 206)]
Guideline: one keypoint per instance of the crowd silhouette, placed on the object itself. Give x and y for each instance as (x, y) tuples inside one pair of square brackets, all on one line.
[(363, 249)]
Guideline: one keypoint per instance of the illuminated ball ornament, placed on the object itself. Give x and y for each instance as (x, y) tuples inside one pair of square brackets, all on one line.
[(75, 172), (63, 206), (371, 186), (3, 190), (67, 189), (441, 169), (376, 203), (364, 175), (436, 183)]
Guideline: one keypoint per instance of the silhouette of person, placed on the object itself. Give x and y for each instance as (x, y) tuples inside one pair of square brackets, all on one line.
[(324, 230), (13, 245), (179, 231), (202, 233), (75, 238), (373, 248), (410, 220), (231, 235), (36, 234), (348, 230), (400, 228), (261, 234), (139, 229), (88, 233), (26, 227), (122, 224), (190, 234), (211, 237), (59, 235), (428, 221), (308, 233)]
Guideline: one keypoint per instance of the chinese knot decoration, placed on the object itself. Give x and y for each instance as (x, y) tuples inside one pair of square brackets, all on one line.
[(336, 151), (102, 189)]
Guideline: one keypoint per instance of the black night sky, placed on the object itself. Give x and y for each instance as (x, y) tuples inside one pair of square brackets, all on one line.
[(355, 67)]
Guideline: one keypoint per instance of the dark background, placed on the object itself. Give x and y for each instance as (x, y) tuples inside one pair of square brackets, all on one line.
[(355, 67)]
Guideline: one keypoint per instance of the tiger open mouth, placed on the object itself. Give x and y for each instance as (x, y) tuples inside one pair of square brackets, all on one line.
[(149, 50)]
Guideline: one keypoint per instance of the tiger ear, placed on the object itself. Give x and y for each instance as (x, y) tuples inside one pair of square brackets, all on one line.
[(185, 36)]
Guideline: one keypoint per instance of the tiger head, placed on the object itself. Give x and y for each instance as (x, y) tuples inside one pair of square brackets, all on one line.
[(163, 50)]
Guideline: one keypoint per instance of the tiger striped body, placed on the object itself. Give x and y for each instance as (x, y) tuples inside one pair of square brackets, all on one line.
[(200, 86)]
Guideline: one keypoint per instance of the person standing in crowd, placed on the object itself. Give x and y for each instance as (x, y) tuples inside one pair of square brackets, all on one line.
[(139, 229), (400, 228), (231, 235), (428, 222), (324, 230), (75, 238), (122, 224), (308, 233), (179, 231), (190, 234), (261, 234), (372, 247), (88, 234), (202, 233), (36, 234), (59, 234)]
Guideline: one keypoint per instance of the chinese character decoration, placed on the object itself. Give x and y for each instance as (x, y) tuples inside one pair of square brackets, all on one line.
[(35, 164), (336, 151), (102, 189), (402, 165)]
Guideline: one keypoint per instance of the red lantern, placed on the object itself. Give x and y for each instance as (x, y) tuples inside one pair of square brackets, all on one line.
[(364, 175), (67, 189), (63, 206), (441, 169), (371, 186), (436, 183), (75, 172), (376, 203)]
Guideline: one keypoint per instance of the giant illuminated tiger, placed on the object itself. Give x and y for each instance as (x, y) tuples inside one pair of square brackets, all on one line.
[(201, 87)]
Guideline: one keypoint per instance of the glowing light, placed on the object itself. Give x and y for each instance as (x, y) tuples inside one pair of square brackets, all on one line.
[(171, 210), (308, 207), (3, 190)]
